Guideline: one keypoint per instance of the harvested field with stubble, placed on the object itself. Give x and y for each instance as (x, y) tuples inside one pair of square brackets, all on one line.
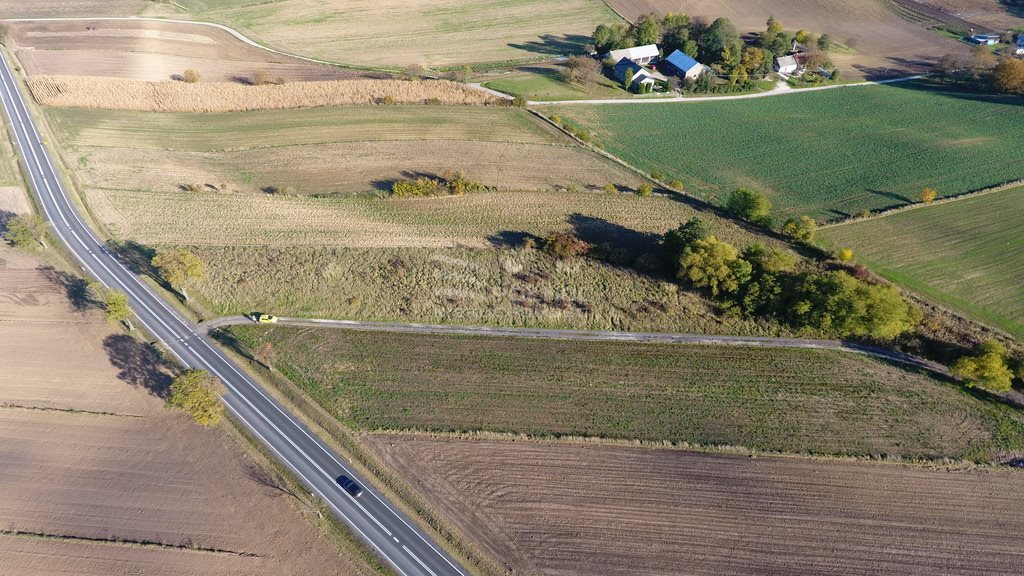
[(398, 32), (136, 95), (780, 400), (884, 43), (153, 51), (76, 8), (564, 509), (99, 478), (324, 150)]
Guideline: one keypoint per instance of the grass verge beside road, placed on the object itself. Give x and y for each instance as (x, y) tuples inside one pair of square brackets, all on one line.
[(797, 401)]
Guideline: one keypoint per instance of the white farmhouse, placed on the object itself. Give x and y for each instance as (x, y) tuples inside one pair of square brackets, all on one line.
[(641, 55)]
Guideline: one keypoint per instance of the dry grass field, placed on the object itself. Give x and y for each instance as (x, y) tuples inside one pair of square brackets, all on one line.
[(324, 150), (98, 478), (884, 44), (170, 96), (564, 509), (153, 51), (397, 32)]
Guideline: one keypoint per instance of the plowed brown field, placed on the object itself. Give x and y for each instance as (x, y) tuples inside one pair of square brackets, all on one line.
[(884, 43), (149, 50), (561, 509), (91, 459), (985, 12)]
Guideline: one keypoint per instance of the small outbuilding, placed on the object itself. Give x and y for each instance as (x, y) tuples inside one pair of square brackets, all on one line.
[(683, 65), (641, 55), (638, 76), (788, 64), (985, 39)]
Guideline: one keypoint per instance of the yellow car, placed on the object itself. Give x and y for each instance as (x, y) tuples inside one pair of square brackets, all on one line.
[(266, 319)]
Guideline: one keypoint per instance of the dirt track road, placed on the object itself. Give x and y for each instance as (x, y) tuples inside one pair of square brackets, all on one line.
[(595, 335)]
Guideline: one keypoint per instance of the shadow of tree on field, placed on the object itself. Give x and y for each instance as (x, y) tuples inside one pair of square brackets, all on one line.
[(511, 238), (5, 218), (596, 231), (141, 364), (76, 289), (555, 45)]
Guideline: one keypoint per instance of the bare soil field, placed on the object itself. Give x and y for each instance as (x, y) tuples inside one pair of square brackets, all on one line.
[(884, 43), (398, 32), (170, 96), (153, 51), (561, 509), (985, 12), (100, 479)]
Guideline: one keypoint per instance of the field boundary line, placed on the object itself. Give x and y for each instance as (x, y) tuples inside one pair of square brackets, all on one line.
[(124, 542), (12, 406), (918, 205), (591, 335)]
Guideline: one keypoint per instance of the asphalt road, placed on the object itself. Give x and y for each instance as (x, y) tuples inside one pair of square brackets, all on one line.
[(593, 335), (371, 517)]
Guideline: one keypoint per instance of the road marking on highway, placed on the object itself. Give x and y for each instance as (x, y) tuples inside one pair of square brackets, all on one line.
[(418, 561)]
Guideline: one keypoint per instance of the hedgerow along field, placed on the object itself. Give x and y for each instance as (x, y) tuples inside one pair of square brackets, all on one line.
[(828, 154), (397, 32), (801, 401), (966, 254)]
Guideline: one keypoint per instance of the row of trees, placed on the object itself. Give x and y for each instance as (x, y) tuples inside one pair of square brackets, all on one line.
[(452, 183), (982, 70), (759, 281)]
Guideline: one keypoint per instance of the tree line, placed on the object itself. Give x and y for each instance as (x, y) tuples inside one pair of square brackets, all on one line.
[(982, 70)]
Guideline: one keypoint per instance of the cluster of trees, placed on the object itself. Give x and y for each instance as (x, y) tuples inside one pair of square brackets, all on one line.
[(760, 281), (452, 184), (982, 70), (754, 207), (717, 44)]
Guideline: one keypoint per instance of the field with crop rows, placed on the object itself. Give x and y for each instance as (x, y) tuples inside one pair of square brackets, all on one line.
[(323, 150), (557, 508), (785, 400), (967, 254), (396, 32), (827, 154)]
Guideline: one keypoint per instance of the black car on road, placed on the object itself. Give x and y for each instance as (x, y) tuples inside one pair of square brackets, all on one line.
[(350, 486)]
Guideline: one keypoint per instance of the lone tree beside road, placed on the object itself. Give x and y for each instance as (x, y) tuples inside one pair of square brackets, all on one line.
[(115, 304), (23, 231), (986, 369), (178, 267), (197, 393)]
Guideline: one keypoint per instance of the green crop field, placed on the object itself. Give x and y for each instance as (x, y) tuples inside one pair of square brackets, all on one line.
[(785, 400), (967, 254), (397, 32), (827, 154)]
